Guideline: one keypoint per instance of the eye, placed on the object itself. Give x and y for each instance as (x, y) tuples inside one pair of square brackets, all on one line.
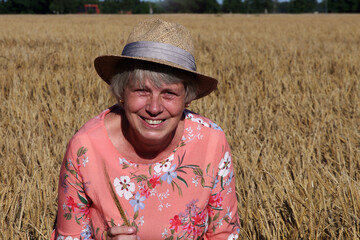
[(170, 94)]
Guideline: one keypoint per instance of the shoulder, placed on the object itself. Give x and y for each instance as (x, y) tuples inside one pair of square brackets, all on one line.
[(203, 129), (90, 129), (93, 123), (196, 118)]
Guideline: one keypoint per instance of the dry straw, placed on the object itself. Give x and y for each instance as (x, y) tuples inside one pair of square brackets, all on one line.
[(158, 41), (288, 100), (115, 198)]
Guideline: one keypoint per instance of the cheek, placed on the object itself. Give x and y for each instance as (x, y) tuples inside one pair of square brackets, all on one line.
[(175, 109), (132, 103)]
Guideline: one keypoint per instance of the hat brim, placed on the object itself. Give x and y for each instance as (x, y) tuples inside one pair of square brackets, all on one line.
[(107, 67)]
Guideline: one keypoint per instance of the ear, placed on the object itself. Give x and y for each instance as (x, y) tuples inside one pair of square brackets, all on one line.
[(120, 101), (120, 98), (187, 104)]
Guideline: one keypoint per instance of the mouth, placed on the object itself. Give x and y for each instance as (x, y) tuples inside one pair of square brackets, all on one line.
[(152, 122)]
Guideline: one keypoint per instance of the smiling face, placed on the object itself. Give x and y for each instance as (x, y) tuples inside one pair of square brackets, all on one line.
[(153, 112)]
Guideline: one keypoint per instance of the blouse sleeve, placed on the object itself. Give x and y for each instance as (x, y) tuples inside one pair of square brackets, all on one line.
[(222, 205), (73, 204)]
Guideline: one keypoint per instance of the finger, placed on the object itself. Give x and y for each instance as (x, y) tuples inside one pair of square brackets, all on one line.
[(121, 230), (123, 237)]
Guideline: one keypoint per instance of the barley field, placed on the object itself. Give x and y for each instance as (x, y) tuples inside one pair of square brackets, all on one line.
[(288, 99)]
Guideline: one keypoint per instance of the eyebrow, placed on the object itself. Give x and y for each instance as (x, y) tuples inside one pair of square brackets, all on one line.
[(172, 89)]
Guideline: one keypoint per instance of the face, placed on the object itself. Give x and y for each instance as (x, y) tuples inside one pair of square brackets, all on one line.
[(153, 113)]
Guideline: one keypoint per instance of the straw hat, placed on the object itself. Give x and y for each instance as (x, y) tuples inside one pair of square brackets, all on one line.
[(158, 41)]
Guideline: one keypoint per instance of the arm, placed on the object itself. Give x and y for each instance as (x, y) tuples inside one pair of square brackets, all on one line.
[(222, 206), (73, 205), (73, 221)]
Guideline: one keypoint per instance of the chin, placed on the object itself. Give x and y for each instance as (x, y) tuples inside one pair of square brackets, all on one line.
[(155, 138)]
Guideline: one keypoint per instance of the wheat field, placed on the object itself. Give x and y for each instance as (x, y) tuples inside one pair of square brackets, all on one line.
[(288, 99)]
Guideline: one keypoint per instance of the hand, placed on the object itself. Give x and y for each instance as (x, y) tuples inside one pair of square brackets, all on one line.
[(122, 233)]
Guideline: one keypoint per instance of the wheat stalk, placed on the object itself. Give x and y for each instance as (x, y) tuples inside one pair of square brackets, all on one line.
[(287, 99), (116, 200)]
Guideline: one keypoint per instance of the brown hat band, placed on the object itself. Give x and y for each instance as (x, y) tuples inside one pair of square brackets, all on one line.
[(161, 51)]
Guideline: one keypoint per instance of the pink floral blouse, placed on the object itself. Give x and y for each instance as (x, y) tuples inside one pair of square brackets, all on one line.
[(188, 195)]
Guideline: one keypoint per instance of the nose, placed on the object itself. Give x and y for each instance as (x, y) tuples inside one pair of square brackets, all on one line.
[(154, 106)]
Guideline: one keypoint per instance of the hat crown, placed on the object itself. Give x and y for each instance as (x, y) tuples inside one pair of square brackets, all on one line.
[(160, 42), (157, 30)]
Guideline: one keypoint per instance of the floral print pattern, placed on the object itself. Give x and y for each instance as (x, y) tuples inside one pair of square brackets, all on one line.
[(76, 209), (225, 164), (137, 203), (164, 165), (191, 223), (175, 186), (124, 187)]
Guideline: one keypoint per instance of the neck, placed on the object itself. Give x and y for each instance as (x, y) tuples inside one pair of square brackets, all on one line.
[(147, 149)]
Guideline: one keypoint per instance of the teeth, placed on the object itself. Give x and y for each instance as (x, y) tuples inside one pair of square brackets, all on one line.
[(153, 122)]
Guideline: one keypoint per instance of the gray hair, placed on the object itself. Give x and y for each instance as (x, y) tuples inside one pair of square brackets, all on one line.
[(137, 71)]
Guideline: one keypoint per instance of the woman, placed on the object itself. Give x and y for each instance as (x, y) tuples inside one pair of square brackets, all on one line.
[(170, 169)]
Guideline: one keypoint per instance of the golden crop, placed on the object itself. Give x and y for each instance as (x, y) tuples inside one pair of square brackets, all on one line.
[(288, 99)]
